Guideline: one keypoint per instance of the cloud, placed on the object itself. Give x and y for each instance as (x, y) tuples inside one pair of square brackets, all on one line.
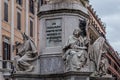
[(106, 7), (113, 33), (116, 45), (109, 12)]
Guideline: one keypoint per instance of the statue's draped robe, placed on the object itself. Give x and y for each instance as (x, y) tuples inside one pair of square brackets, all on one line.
[(96, 52), (75, 58), (28, 52)]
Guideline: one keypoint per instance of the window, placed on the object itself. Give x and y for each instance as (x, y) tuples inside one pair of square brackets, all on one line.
[(19, 2), (18, 21), (115, 66), (109, 61), (6, 51), (31, 6), (6, 10), (31, 28)]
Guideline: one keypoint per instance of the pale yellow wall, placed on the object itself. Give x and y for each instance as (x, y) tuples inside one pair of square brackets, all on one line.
[(6, 26)]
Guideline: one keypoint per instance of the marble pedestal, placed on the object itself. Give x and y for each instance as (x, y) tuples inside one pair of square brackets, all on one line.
[(61, 76)]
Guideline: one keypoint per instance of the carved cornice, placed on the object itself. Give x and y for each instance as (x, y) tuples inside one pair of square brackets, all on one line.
[(63, 11)]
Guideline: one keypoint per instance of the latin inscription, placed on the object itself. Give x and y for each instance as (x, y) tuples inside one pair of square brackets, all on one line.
[(53, 32)]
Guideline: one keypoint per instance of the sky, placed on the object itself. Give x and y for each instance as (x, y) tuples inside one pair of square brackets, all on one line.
[(109, 12)]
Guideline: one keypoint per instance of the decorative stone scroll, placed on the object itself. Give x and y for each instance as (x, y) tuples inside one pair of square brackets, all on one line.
[(97, 56)]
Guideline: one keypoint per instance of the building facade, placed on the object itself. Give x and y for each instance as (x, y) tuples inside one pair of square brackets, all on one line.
[(97, 28), (16, 16)]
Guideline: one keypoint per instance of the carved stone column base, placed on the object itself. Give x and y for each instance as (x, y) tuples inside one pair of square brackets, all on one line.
[(61, 76), (102, 78), (78, 76)]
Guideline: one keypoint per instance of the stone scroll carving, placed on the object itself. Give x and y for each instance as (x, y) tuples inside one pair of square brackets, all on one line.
[(97, 56), (75, 52), (27, 52)]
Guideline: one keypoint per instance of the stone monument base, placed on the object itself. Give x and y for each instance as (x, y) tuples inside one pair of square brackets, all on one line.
[(61, 76), (102, 78)]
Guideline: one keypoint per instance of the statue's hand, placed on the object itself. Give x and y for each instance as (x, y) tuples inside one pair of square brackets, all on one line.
[(72, 52), (83, 48)]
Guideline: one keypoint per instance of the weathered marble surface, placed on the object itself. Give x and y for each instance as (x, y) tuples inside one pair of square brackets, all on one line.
[(51, 64), (58, 6), (98, 58), (59, 1), (26, 54), (75, 52), (60, 76), (102, 78)]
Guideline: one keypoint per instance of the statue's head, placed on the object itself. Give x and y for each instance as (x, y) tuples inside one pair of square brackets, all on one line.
[(25, 37), (76, 33), (17, 47), (17, 43)]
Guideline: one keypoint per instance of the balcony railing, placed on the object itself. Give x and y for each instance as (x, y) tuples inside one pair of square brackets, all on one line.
[(7, 67)]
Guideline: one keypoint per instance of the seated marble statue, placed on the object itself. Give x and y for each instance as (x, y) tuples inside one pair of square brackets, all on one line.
[(27, 52), (75, 52)]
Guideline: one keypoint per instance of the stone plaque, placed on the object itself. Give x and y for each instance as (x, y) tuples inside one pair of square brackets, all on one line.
[(53, 32)]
